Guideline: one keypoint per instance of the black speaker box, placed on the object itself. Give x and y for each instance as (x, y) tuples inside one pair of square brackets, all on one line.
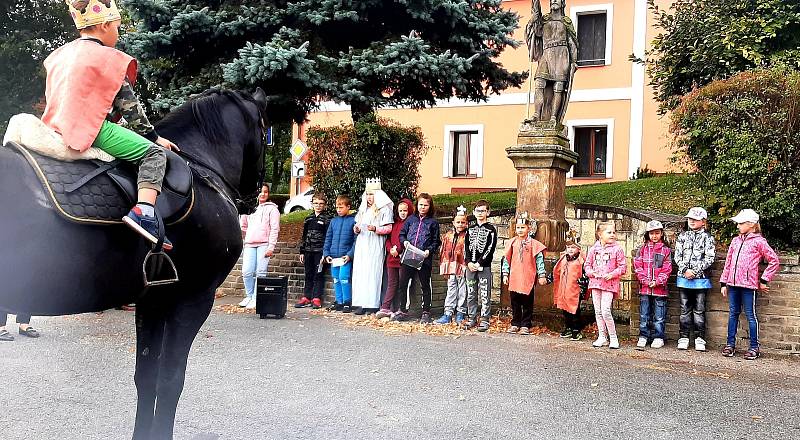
[(271, 296)]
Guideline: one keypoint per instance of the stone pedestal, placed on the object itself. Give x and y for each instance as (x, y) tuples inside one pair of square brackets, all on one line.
[(542, 158)]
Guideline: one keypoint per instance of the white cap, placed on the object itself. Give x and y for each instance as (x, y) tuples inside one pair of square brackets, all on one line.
[(654, 225), (697, 213), (745, 216)]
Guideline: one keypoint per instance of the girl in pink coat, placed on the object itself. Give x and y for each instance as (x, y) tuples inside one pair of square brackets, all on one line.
[(605, 265), (653, 266), (261, 230), (740, 279)]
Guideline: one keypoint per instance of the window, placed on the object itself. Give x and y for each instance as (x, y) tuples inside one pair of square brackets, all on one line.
[(461, 149), (593, 23), (591, 144), (463, 152)]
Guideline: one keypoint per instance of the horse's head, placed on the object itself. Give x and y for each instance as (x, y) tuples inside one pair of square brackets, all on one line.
[(223, 130)]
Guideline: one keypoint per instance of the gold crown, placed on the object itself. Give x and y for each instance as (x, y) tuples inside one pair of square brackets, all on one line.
[(87, 13), (373, 184), (523, 219), (461, 210), (573, 236)]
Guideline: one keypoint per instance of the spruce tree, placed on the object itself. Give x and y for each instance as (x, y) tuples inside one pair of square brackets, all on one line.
[(369, 54)]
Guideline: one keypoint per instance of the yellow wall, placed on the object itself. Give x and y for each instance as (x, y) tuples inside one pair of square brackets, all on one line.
[(501, 122)]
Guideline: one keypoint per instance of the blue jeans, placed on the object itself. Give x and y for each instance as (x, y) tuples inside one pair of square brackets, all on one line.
[(254, 264), (736, 297), (341, 283), (655, 306)]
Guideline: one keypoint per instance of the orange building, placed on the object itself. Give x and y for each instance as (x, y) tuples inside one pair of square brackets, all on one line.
[(611, 120)]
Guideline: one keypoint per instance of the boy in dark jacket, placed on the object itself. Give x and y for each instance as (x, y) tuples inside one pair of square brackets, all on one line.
[(315, 228), (340, 245), (479, 248), (421, 230)]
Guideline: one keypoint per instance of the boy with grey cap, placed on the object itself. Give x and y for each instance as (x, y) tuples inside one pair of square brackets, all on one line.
[(694, 255)]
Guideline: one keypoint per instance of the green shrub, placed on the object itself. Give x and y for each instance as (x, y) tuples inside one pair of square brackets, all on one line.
[(743, 135), (342, 157)]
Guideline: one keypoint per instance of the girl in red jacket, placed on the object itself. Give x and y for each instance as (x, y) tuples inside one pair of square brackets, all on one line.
[(392, 302), (653, 266)]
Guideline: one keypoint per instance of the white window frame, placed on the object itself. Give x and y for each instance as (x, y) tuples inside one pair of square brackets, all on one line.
[(609, 124), (608, 8), (476, 156)]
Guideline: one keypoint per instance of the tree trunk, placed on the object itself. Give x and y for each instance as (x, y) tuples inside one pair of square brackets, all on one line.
[(361, 111)]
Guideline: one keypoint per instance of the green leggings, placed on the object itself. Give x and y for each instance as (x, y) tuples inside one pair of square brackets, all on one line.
[(125, 144)]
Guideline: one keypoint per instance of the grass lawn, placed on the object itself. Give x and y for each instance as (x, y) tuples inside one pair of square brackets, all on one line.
[(670, 194)]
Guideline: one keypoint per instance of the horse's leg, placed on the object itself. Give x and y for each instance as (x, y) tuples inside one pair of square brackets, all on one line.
[(149, 339), (181, 329)]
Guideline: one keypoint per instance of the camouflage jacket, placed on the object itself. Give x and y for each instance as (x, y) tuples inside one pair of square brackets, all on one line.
[(127, 106)]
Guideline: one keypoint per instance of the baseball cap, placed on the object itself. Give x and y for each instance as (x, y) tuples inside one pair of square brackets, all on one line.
[(654, 225), (746, 215), (697, 213)]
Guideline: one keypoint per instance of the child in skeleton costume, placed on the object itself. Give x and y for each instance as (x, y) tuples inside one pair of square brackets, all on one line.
[(479, 244), (373, 223), (570, 285), (524, 263), (89, 88)]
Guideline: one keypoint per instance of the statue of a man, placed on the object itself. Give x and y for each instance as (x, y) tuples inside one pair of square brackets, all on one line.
[(553, 43)]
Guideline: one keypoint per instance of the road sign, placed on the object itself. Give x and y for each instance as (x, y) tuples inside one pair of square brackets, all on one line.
[(269, 136), (298, 150), (298, 169)]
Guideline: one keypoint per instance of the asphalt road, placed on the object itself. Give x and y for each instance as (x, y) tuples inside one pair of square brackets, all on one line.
[(316, 377)]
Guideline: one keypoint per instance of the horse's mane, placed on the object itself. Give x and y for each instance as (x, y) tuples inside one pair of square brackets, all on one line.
[(203, 111)]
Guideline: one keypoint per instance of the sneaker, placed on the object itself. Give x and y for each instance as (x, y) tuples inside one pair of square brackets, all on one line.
[(699, 344), (5, 335), (251, 304), (567, 332), (399, 316), (335, 307), (613, 342), (524, 331), (752, 354), (304, 302), (244, 301), (728, 351), (657, 343), (683, 344), (316, 303), (468, 324), (642, 342), (444, 319), (483, 326), (347, 308), (29, 332), (459, 318), (512, 329), (576, 336), (426, 318), (146, 226), (383, 313), (600, 341)]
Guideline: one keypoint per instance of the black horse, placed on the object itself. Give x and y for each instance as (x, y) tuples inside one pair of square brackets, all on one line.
[(49, 266)]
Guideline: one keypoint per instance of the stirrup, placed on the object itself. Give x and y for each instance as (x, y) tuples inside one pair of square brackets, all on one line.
[(155, 258)]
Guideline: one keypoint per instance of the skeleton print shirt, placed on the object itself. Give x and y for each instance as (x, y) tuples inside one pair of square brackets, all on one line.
[(480, 243)]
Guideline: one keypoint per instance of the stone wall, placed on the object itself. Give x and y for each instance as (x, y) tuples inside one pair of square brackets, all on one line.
[(777, 311)]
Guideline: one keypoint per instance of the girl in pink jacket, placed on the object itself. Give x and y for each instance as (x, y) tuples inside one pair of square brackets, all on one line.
[(605, 265), (740, 278), (260, 237), (653, 266)]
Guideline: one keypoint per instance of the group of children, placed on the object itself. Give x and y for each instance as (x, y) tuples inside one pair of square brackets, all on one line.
[(359, 248)]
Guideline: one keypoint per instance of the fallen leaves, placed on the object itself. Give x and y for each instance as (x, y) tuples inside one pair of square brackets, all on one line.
[(230, 309)]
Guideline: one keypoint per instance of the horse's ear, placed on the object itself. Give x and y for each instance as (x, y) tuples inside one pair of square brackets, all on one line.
[(260, 96)]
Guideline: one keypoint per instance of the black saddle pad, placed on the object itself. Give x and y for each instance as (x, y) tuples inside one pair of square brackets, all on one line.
[(92, 191)]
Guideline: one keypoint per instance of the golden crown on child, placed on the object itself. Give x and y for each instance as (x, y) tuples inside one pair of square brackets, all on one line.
[(373, 184), (87, 13)]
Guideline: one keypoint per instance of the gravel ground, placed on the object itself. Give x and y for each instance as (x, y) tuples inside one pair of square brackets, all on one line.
[(318, 377)]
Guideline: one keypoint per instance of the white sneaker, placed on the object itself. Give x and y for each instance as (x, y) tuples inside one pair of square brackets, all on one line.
[(601, 341), (657, 343), (614, 342), (699, 344), (683, 344), (244, 301), (251, 304), (642, 342)]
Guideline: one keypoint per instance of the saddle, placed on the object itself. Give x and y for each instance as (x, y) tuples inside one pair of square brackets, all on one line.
[(97, 192)]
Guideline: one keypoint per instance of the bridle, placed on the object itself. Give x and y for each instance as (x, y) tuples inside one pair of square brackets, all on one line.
[(208, 173)]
